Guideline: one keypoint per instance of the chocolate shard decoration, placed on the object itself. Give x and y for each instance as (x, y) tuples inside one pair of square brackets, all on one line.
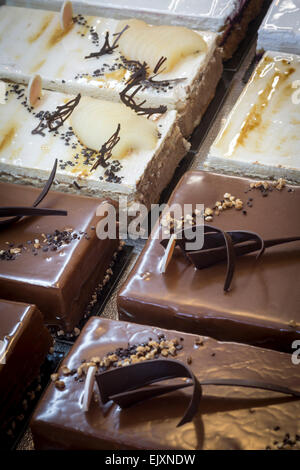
[(123, 384), (222, 246), (21, 211), (132, 384), (136, 81), (105, 152), (16, 213), (56, 119), (107, 48)]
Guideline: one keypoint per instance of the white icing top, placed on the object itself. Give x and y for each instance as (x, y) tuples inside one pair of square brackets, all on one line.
[(199, 14), (31, 41), (25, 154), (280, 30), (264, 125)]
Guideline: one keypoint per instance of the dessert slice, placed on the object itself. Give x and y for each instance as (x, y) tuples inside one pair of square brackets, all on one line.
[(94, 56), (261, 304), (228, 417), (280, 30), (260, 137), (56, 262), (24, 344), (229, 19), (95, 156)]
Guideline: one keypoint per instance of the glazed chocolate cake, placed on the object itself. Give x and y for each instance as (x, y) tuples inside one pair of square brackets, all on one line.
[(263, 303), (56, 262), (227, 418), (25, 342)]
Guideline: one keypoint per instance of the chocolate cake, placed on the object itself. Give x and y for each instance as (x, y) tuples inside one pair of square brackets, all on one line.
[(25, 342), (228, 417), (262, 305), (56, 262)]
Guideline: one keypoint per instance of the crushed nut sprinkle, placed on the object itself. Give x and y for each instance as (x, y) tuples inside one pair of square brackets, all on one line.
[(49, 242), (121, 357), (268, 186)]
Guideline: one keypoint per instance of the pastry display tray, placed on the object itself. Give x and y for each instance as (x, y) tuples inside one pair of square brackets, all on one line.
[(236, 72)]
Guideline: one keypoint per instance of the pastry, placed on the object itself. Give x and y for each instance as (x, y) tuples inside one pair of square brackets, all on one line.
[(24, 344), (89, 57), (56, 262), (228, 417), (280, 30), (260, 136), (260, 305)]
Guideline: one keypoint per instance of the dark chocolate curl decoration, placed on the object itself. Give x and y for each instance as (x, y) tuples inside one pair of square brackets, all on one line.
[(107, 48), (56, 119), (127, 385), (157, 71), (106, 150), (222, 246), (136, 81), (16, 213)]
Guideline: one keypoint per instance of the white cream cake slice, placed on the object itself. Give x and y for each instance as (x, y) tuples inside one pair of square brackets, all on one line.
[(280, 30), (261, 135), (33, 41), (141, 163), (228, 18)]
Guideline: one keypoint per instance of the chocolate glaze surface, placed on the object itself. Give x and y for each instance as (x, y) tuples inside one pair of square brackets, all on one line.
[(59, 282), (26, 341), (263, 305), (229, 417)]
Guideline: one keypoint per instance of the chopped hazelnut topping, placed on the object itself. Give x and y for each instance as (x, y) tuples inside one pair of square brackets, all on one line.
[(60, 384), (65, 370)]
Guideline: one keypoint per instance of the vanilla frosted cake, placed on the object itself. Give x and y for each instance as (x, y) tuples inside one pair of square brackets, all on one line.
[(229, 18), (69, 60), (139, 164), (261, 137), (280, 30)]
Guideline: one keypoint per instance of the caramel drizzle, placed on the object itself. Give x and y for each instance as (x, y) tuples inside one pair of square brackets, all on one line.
[(17, 213), (106, 150), (222, 246), (107, 48), (136, 80), (56, 119)]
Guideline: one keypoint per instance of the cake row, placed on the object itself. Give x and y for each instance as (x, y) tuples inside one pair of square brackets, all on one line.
[(57, 260)]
